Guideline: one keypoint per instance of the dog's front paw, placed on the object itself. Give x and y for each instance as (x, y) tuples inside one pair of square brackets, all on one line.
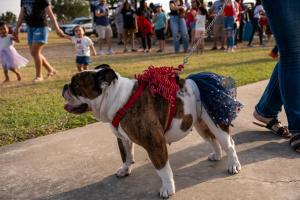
[(123, 171), (214, 157), (234, 167), (167, 190)]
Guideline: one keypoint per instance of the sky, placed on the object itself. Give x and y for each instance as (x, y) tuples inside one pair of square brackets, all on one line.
[(10, 5)]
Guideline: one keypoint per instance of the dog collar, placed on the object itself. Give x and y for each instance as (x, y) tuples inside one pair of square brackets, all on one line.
[(121, 112)]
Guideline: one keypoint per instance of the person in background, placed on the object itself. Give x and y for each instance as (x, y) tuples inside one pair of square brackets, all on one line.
[(200, 28), (218, 29), (160, 26), (103, 27), (178, 25), (229, 23), (145, 26), (257, 12), (35, 14), (191, 19), (10, 59), (129, 25), (83, 46), (187, 5), (284, 85), (119, 22), (241, 18), (93, 6)]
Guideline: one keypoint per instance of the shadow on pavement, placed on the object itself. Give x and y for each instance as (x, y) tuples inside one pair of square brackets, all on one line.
[(190, 167)]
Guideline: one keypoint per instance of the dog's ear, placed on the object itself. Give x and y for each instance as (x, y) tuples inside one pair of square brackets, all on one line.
[(102, 66), (105, 77)]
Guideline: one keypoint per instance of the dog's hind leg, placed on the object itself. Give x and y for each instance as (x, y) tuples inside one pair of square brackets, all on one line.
[(225, 141), (207, 135), (126, 148)]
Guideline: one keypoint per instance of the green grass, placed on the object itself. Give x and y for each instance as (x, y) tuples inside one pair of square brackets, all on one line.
[(30, 110)]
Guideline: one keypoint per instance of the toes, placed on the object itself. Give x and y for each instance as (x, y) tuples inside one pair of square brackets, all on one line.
[(123, 172), (214, 157), (167, 190), (234, 168), (165, 194)]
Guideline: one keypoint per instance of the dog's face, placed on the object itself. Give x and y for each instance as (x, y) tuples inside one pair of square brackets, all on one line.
[(87, 86)]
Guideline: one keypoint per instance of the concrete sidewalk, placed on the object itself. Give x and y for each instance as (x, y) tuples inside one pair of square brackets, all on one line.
[(79, 164)]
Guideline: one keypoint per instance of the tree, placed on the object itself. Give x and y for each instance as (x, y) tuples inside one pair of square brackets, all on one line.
[(8, 17), (69, 9)]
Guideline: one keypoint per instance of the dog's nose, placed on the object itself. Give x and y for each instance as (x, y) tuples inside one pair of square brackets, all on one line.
[(66, 86)]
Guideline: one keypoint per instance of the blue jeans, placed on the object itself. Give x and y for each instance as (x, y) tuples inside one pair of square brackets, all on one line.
[(229, 29), (284, 86), (179, 30), (256, 27), (37, 35)]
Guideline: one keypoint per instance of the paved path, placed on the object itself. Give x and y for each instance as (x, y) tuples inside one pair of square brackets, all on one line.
[(79, 164)]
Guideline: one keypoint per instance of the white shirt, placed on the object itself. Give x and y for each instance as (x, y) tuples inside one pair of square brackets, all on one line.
[(257, 10), (5, 42), (82, 45)]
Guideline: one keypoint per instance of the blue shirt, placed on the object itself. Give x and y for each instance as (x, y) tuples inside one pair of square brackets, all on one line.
[(160, 21), (103, 21)]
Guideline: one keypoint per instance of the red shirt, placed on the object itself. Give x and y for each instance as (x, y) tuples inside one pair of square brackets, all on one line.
[(229, 10)]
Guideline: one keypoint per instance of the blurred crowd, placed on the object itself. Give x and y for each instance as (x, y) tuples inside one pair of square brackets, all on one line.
[(186, 23)]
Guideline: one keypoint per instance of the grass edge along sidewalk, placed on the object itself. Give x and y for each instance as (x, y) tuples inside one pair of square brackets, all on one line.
[(30, 110)]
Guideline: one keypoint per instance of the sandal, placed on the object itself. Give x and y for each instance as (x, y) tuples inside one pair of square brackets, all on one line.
[(276, 127), (295, 142)]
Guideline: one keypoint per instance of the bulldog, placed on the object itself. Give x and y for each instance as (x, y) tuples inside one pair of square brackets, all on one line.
[(104, 92)]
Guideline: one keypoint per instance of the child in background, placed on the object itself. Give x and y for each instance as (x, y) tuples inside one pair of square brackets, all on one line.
[(83, 46), (160, 26), (9, 57), (200, 28)]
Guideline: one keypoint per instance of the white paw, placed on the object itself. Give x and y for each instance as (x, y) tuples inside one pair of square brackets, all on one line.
[(167, 190), (234, 167), (214, 157), (123, 171)]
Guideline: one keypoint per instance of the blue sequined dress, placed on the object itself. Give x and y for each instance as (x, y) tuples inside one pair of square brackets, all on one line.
[(218, 96)]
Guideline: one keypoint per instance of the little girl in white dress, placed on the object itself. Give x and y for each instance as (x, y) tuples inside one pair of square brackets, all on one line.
[(9, 57)]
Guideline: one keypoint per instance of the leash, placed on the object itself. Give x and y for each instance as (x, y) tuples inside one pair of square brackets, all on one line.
[(209, 29)]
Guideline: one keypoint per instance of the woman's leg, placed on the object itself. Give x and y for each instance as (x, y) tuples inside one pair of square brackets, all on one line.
[(35, 50), (184, 34), (143, 39), (286, 32), (270, 103), (125, 38), (254, 28), (261, 33), (175, 28), (149, 41)]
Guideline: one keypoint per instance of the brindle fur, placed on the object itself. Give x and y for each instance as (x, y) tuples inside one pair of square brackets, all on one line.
[(146, 121)]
